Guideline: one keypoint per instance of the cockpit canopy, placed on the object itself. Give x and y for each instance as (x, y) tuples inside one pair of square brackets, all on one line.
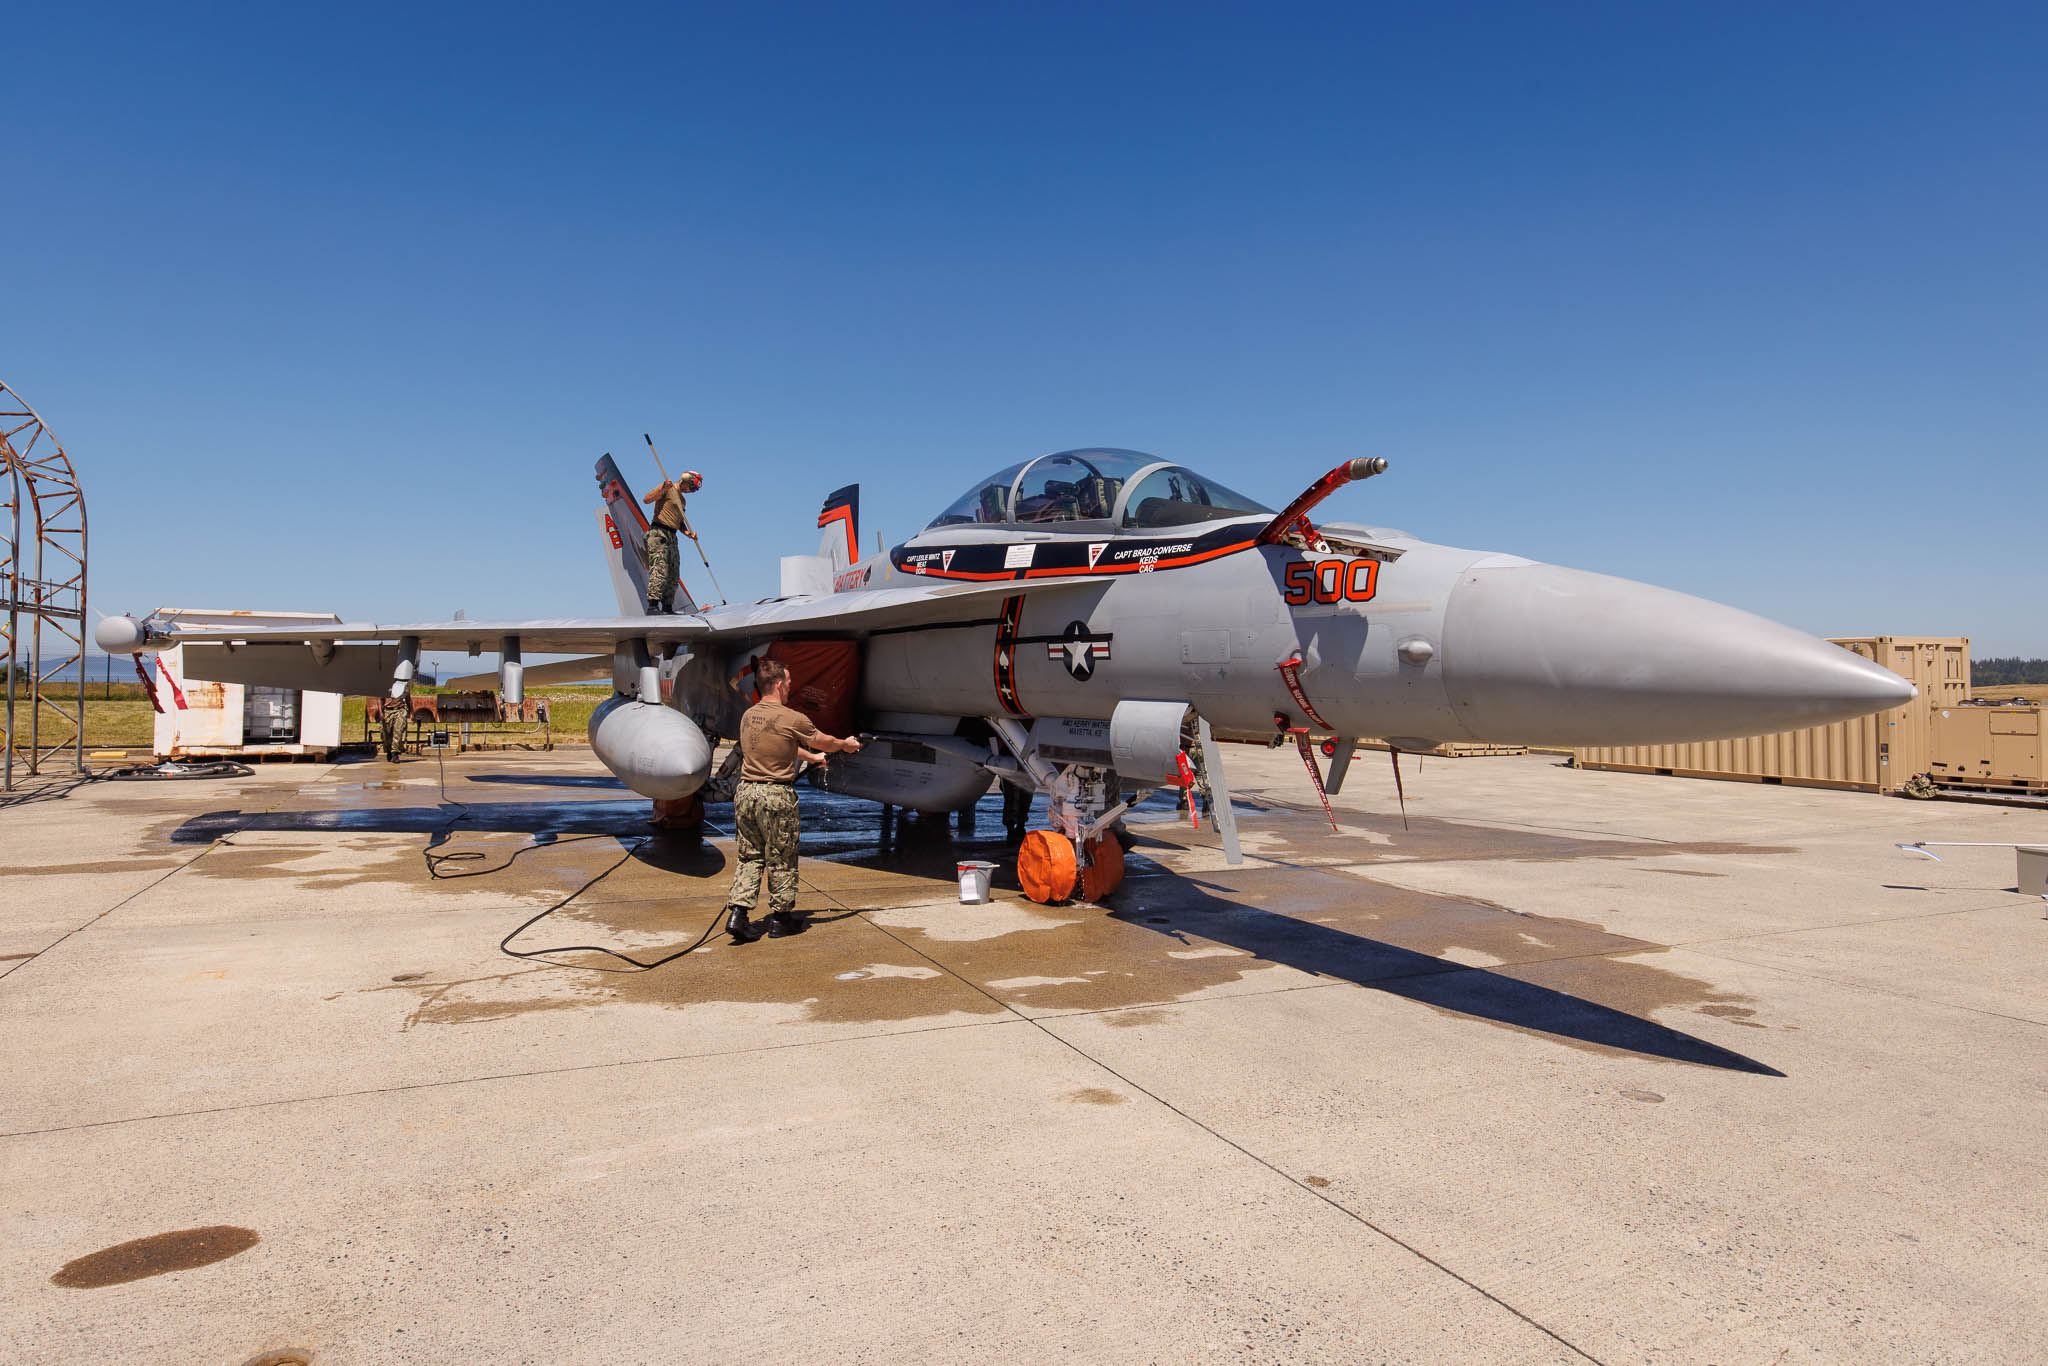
[(1126, 489)]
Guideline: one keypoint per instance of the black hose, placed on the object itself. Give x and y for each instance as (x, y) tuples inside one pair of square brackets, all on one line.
[(435, 862), (637, 965)]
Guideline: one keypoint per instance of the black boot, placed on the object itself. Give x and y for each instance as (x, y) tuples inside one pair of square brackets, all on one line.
[(783, 923), (736, 925)]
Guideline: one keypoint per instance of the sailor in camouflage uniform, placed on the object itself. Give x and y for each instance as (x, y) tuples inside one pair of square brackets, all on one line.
[(669, 518), (773, 736), (397, 721)]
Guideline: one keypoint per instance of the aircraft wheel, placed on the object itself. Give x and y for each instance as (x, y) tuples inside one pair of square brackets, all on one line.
[(1106, 873), (1046, 867)]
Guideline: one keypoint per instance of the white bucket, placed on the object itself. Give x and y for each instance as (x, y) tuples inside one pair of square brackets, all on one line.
[(974, 882), (2033, 870)]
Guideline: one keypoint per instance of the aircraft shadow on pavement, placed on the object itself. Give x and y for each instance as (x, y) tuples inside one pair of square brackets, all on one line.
[(1194, 910), (1413, 976), (545, 824), (625, 819), (588, 780)]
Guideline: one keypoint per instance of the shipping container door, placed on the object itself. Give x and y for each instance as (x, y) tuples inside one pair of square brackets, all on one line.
[(2016, 745), (270, 716)]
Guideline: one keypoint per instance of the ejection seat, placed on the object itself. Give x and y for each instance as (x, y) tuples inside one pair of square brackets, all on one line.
[(1095, 497)]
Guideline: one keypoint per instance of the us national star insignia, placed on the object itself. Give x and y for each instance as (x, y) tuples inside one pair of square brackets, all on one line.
[(1078, 649)]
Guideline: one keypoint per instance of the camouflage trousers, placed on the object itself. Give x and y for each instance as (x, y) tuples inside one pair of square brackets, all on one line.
[(766, 819), (661, 568), (397, 721)]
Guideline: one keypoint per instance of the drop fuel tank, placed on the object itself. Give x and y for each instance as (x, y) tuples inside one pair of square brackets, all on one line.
[(653, 750)]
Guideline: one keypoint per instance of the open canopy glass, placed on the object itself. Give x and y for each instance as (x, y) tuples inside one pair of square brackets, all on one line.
[(1126, 488)]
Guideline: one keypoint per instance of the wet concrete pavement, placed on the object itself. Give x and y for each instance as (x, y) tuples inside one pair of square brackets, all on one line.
[(1576, 1066)]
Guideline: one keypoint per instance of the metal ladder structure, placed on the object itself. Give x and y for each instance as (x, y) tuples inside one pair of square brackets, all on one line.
[(42, 575)]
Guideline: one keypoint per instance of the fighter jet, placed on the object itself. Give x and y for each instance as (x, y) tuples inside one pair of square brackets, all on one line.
[(1088, 625)]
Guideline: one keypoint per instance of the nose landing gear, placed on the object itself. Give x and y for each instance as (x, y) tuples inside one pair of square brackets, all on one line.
[(1083, 851), (1050, 869)]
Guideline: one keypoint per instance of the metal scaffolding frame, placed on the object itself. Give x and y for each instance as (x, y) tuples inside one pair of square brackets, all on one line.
[(42, 573)]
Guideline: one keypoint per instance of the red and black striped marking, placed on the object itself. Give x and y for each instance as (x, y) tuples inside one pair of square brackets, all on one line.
[(843, 506), (1006, 656)]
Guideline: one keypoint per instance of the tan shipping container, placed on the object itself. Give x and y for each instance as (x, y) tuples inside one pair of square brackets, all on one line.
[(1878, 753), (1990, 747)]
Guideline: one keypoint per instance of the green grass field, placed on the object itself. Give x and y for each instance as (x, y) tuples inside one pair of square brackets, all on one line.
[(116, 723), (115, 718), (121, 717)]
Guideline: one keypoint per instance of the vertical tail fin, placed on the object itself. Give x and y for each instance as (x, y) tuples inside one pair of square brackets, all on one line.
[(840, 522), (629, 571), (625, 531)]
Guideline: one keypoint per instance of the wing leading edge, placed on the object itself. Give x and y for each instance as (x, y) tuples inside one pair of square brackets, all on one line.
[(851, 613)]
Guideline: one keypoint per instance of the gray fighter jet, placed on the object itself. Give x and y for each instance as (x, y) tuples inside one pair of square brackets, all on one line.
[(1087, 625)]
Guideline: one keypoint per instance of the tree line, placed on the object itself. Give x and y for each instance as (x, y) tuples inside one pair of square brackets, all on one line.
[(2000, 670)]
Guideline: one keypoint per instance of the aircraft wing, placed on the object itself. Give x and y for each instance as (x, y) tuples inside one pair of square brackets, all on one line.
[(851, 613)]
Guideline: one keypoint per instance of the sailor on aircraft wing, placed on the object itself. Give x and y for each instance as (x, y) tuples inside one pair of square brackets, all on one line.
[(669, 518)]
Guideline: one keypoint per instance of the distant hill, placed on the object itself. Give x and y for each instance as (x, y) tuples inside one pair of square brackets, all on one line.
[(96, 666)]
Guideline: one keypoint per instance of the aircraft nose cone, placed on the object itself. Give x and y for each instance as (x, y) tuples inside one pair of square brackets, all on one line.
[(1540, 654)]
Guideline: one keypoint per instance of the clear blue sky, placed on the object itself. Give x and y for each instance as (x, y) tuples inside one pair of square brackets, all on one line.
[(335, 307)]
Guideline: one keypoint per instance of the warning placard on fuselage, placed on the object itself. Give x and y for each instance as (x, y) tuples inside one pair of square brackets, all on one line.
[(1072, 740)]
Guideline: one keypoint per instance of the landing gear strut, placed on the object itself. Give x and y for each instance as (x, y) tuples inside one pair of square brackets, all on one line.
[(1083, 851), (1080, 852)]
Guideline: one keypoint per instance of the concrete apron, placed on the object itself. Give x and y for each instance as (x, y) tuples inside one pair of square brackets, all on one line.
[(1578, 1065)]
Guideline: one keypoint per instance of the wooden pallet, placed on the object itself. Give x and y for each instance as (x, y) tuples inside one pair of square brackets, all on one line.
[(1452, 749), (2026, 787)]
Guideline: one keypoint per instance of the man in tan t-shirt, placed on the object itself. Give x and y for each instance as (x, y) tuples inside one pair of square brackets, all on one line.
[(773, 737), (670, 516)]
